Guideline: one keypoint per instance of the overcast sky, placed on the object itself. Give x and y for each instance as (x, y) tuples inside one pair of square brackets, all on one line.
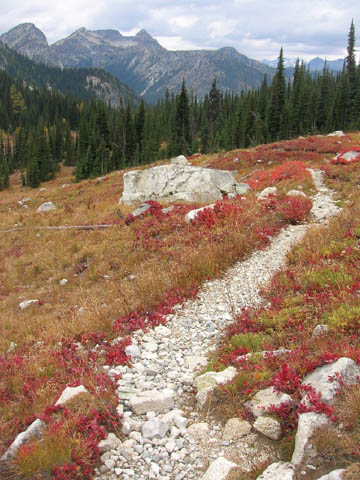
[(256, 28)]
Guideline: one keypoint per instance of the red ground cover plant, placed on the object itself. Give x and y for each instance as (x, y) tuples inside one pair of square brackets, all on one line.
[(296, 171)]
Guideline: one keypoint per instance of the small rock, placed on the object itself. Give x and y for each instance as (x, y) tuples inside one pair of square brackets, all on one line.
[(296, 193), (337, 133), (278, 471), (132, 351), (46, 207), (194, 213), (28, 303), (220, 469), (33, 431), (307, 424), (320, 330), (195, 361), (269, 427), (334, 475), (266, 192), (63, 282), (259, 405), (236, 428), (211, 379), (69, 393), (152, 400), (199, 430), (140, 210), (179, 160), (154, 428)]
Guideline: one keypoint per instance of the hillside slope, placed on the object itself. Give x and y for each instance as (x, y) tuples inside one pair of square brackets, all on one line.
[(128, 277), (84, 83)]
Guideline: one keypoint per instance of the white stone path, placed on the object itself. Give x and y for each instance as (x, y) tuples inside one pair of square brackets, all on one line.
[(166, 359)]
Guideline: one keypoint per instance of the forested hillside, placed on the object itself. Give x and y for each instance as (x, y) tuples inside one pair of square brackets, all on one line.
[(83, 83), (97, 139)]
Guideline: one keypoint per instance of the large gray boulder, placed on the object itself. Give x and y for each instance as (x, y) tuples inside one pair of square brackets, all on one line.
[(329, 378), (176, 182)]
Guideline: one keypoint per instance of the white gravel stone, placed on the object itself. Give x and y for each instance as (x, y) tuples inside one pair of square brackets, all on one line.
[(278, 471), (307, 424), (69, 393), (28, 303), (220, 469), (269, 427)]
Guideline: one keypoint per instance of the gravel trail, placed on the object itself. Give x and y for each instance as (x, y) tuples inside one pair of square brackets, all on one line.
[(165, 360)]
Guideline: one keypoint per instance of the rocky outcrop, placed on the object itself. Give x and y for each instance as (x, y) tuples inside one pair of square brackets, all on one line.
[(33, 431), (176, 182), (328, 378)]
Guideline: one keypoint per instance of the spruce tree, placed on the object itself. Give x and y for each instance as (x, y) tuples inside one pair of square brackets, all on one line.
[(277, 102)]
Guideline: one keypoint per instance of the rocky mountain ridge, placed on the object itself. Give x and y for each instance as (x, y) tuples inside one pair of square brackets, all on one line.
[(140, 61), (84, 83)]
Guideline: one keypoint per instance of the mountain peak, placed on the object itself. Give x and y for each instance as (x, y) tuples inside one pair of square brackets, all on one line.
[(22, 33)]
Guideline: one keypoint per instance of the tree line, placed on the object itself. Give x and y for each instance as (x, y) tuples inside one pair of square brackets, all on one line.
[(48, 128)]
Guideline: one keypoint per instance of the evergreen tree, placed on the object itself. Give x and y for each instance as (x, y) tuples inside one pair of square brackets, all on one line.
[(277, 102), (181, 140)]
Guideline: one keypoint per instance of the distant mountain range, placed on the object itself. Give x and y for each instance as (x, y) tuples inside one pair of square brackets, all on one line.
[(314, 65), (140, 61), (84, 83)]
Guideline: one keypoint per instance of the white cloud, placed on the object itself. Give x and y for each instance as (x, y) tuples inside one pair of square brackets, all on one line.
[(257, 28)]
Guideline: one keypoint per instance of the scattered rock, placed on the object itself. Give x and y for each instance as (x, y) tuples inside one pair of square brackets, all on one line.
[(266, 192), (177, 183), (337, 133), (140, 210), (269, 427), (199, 430), (180, 160), (194, 362), (152, 400), (46, 207), (23, 201), (12, 347), (132, 351), (344, 370), (307, 424), (154, 428), (109, 443), (347, 156), (278, 471), (295, 193), (320, 330), (220, 469), (211, 379), (33, 431), (28, 303), (259, 405), (63, 282), (236, 428), (194, 213), (334, 475), (167, 209), (69, 393)]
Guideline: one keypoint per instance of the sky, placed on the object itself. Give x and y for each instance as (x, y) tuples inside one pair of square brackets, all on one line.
[(256, 28)]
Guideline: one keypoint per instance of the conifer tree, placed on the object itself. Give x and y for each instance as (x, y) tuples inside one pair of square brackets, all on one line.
[(277, 102)]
